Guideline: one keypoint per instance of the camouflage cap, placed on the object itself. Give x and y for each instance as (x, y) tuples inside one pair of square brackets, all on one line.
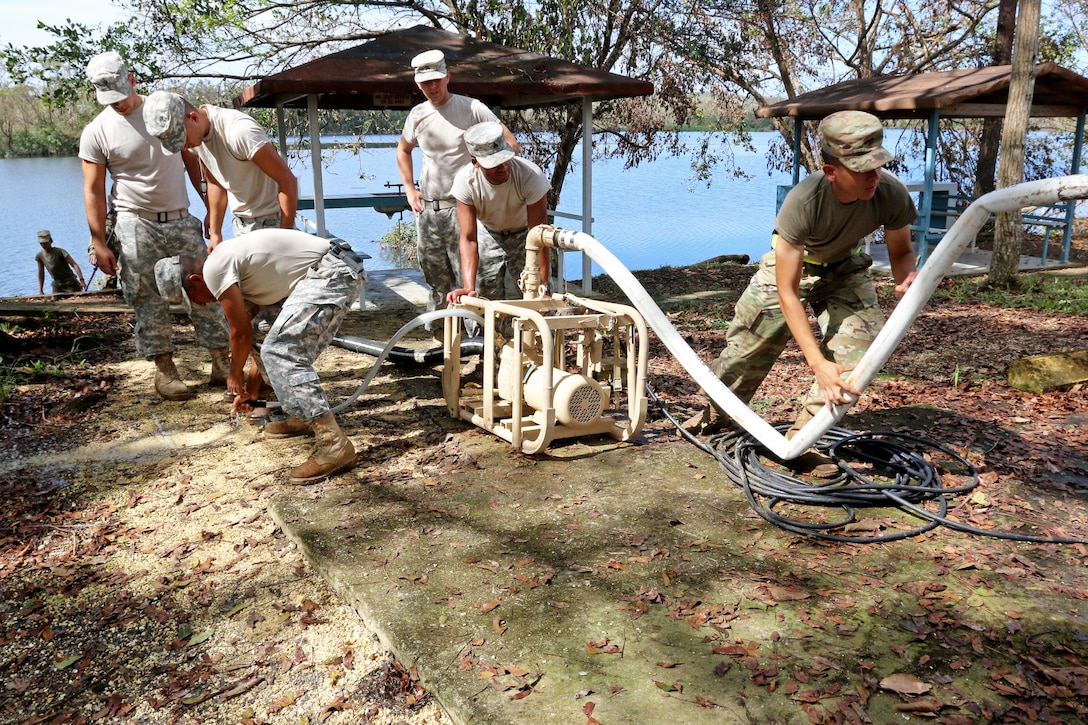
[(487, 144), (164, 117), (854, 138), (108, 74), (168, 281), (429, 65), (44, 237)]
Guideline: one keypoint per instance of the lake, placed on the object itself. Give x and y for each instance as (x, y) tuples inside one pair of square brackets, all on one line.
[(649, 216)]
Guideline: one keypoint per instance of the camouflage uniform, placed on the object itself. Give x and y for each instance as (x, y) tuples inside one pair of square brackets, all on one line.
[(501, 254), (243, 226), (304, 325), (143, 243), (846, 307), (438, 250)]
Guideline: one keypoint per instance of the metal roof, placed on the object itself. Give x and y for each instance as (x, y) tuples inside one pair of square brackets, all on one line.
[(378, 75), (972, 93)]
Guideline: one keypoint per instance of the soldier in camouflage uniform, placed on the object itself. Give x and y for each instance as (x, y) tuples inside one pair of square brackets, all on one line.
[(437, 127), (499, 198), (816, 259), (304, 285), (153, 220)]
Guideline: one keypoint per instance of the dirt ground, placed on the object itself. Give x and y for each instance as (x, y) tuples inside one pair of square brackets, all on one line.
[(141, 580)]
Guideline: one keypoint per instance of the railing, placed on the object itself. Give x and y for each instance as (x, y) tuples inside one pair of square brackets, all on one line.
[(948, 204)]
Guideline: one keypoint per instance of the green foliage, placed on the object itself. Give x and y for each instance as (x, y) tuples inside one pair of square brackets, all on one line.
[(1035, 291), (400, 244)]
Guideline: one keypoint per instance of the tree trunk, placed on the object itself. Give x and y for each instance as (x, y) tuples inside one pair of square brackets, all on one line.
[(1008, 230), (986, 169)]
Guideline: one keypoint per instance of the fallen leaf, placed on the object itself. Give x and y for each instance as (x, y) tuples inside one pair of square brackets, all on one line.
[(905, 684)]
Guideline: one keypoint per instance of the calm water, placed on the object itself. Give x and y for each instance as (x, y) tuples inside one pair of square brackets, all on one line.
[(649, 216)]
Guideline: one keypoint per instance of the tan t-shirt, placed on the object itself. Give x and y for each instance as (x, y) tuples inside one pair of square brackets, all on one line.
[(266, 264), (228, 152), (144, 177), (439, 133), (829, 230), (501, 208)]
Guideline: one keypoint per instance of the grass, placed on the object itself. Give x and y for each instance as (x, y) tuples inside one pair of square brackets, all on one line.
[(1035, 291)]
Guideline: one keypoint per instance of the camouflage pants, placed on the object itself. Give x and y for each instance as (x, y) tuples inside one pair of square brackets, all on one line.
[(438, 249), (844, 301), (305, 324), (500, 255), (244, 226), (143, 243)]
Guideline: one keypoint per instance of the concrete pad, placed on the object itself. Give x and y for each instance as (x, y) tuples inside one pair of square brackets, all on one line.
[(390, 289), (523, 598)]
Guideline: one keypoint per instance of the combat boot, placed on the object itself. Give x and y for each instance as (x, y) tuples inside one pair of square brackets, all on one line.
[(289, 427), (811, 462), (707, 421), (220, 365), (334, 453), (168, 383)]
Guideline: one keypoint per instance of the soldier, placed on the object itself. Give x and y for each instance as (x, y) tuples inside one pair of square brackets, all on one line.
[(304, 285), (816, 258)]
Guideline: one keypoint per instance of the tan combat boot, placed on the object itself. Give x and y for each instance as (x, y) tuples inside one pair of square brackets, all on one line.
[(334, 453), (287, 428), (220, 365), (168, 383), (707, 421), (811, 462)]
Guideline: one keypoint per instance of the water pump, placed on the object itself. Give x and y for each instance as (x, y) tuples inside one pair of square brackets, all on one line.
[(552, 367)]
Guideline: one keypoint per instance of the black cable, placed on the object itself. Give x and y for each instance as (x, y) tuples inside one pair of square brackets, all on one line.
[(882, 469)]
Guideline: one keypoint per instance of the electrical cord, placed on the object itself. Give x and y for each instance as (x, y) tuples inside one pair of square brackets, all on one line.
[(882, 469)]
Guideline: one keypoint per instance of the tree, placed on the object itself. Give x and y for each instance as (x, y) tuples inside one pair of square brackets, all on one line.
[(991, 127), (1008, 230)]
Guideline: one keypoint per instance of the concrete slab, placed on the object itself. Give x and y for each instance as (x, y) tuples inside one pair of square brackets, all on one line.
[(972, 261), (391, 289), (524, 598)]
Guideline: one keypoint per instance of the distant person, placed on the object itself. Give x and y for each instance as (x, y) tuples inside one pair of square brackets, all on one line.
[(59, 264), (237, 159), (437, 127), (153, 221), (304, 285), (816, 258), (507, 195)]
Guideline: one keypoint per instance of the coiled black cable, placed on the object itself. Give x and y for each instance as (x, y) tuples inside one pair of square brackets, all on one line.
[(882, 469)]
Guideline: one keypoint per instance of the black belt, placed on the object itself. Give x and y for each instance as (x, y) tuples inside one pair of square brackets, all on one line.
[(508, 231), (440, 204), (159, 216)]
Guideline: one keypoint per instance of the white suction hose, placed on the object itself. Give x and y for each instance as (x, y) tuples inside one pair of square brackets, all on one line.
[(1034, 193)]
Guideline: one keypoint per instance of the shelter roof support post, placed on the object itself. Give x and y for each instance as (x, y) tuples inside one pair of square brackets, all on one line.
[(798, 129), (281, 129), (315, 162), (281, 133), (587, 189), (924, 214), (1070, 206)]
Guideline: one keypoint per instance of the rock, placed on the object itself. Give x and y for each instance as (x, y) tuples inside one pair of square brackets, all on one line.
[(1043, 373), (727, 259)]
